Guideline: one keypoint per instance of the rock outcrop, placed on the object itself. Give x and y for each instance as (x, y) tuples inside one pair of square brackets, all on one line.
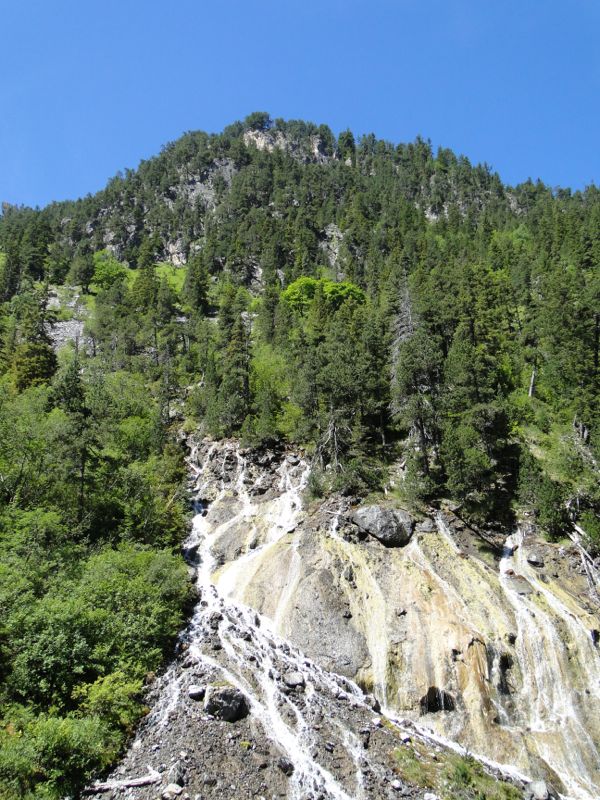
[(456, 636), (539, 790), (435, 606)]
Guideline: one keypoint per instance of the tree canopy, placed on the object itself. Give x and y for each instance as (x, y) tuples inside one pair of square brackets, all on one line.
[(385, 306)]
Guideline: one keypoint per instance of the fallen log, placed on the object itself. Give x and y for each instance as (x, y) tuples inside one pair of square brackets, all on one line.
[(128, 783)]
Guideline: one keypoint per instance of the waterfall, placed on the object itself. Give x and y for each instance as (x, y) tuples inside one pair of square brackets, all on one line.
[(255, 657), (496, 661), (549, 636)]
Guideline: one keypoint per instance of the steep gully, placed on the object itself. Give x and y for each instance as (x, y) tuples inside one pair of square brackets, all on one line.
[(296, 611)]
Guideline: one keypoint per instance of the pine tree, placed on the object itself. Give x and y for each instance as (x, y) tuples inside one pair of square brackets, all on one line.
[(234, 389), (196, 285)]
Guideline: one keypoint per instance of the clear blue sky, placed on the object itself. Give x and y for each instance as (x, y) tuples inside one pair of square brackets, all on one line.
[(88, 87)]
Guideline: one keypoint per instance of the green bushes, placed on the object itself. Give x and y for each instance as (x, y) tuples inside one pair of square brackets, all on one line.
[(302, 292), (92, 595), (123, 611), (115, 698), (78, 656), (590, 523), (452, 777), (546, 496), (48, 757)]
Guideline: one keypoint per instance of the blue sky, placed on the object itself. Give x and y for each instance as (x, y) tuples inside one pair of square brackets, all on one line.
[(89, 87)]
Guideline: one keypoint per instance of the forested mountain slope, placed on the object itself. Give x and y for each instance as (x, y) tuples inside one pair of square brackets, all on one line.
[(420, 328)]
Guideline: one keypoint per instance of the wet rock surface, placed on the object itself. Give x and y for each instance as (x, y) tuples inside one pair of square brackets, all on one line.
[(296, 602), (241, 712), (539, 790)]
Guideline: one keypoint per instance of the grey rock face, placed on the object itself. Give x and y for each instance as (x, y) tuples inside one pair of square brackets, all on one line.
[(392, 527), (373, 703), (226, 703), (177, 774), (321, 629), (426, 526)]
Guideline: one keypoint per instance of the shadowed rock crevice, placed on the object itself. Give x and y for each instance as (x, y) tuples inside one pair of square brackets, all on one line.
[(504, 665), (436, 700)]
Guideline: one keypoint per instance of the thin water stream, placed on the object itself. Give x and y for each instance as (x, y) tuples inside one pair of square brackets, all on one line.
[(548, 637), (255, 657), (240, 531)]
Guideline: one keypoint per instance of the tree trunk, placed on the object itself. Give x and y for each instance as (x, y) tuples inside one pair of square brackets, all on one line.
[(532, 382), (82, 484)]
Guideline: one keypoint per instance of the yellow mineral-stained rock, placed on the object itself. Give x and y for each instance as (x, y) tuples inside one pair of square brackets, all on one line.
[(480, 645)]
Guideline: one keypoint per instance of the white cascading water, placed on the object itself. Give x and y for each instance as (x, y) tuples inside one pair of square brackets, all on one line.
[(378, 649), (554, 712), (280, 517), (253, 657), (248, 640)]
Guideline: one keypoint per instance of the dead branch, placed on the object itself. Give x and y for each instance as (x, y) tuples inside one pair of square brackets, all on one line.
[(589, 567), (108, 786)]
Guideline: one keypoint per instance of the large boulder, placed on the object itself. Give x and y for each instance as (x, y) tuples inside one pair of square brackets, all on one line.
[(226, 702), (196, 692), (171, 791), (392, 527), (535, 559), (539, 790), (294, 680)]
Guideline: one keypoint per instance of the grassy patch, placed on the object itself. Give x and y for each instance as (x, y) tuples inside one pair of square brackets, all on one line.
[(486, 552), (64, 314), (450, 776), (414, 768), (89, 301), (174, 275)]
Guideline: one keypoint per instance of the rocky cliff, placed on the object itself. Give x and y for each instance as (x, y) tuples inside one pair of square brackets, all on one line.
[(314, 615)]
